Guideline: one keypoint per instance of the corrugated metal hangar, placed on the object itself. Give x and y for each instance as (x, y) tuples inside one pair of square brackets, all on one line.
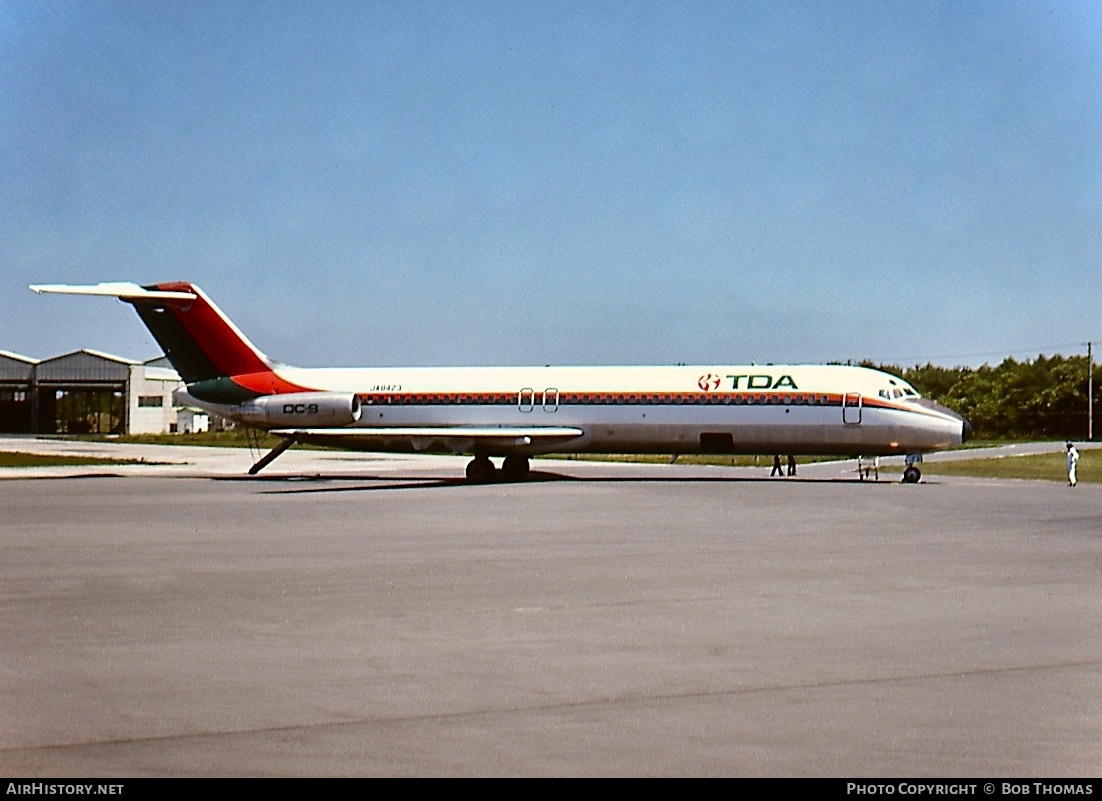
[(86, 392)]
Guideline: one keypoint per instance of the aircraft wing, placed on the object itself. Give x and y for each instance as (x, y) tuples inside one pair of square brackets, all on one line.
[(457, 439)]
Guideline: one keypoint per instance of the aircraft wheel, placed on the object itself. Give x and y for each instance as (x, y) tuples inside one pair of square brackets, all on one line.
[(480, 470), (911, 475), (514, 468)]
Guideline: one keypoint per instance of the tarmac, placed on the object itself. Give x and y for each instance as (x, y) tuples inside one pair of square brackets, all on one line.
[(369, 615)]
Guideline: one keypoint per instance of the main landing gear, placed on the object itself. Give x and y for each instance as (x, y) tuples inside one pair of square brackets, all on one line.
[(481, 470)]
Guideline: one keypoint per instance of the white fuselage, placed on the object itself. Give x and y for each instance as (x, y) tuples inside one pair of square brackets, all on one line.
[(801, 409)]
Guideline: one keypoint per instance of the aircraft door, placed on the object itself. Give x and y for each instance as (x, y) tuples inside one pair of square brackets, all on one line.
[(851, 408)]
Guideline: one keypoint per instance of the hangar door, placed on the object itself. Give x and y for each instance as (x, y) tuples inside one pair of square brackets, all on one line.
[(15, 410), (86, 410), (15, 393)]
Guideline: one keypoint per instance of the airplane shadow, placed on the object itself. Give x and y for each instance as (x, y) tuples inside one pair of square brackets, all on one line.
[(377, 483)]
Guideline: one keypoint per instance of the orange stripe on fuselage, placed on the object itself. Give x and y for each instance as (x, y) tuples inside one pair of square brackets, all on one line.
[(268, 383)]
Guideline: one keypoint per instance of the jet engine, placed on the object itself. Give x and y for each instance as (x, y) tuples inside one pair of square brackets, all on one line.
[(307, 409)]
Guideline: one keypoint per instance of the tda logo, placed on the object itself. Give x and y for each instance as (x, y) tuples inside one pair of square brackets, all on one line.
[(709, 382)]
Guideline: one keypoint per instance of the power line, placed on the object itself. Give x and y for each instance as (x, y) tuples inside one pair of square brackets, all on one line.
[(1035, 349)]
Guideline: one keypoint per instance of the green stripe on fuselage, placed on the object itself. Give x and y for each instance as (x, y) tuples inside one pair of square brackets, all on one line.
[(221, 390)]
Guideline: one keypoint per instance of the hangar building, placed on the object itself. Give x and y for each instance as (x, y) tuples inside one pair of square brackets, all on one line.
[(86, 392)]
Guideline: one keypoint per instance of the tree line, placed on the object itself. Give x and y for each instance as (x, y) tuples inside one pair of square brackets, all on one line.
[(1042, 398)]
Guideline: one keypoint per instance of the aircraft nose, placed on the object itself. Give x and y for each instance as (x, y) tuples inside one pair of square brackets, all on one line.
[(965, 426)]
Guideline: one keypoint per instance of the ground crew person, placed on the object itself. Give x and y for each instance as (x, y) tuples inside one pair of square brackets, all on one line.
[(1073, 459)]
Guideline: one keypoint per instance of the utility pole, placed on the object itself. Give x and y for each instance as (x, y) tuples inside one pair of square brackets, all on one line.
[(1090, 391)]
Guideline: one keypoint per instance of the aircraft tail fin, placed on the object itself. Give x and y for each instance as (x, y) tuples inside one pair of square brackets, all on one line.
[(198, 339)]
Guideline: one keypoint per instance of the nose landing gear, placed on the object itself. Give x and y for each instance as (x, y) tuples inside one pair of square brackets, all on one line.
[(911, 474)]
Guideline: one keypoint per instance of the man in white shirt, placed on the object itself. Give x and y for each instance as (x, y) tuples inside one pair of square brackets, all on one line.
[(1073, 459)]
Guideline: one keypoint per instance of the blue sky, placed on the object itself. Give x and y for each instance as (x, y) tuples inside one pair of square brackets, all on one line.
[(560, 182)]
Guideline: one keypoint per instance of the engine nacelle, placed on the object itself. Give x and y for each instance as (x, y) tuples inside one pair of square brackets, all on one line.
[(315, 409)]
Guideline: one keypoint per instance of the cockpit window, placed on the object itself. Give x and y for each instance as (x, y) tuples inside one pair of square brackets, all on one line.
[(897, 392)]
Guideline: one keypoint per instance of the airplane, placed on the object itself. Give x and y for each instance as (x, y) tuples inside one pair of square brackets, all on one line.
[(515, 413)]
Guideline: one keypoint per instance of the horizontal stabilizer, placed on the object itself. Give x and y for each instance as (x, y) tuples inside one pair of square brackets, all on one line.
[(123, 290)]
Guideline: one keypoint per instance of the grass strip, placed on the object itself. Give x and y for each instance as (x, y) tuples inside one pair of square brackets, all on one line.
[(18, 459), (1032, 467)]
